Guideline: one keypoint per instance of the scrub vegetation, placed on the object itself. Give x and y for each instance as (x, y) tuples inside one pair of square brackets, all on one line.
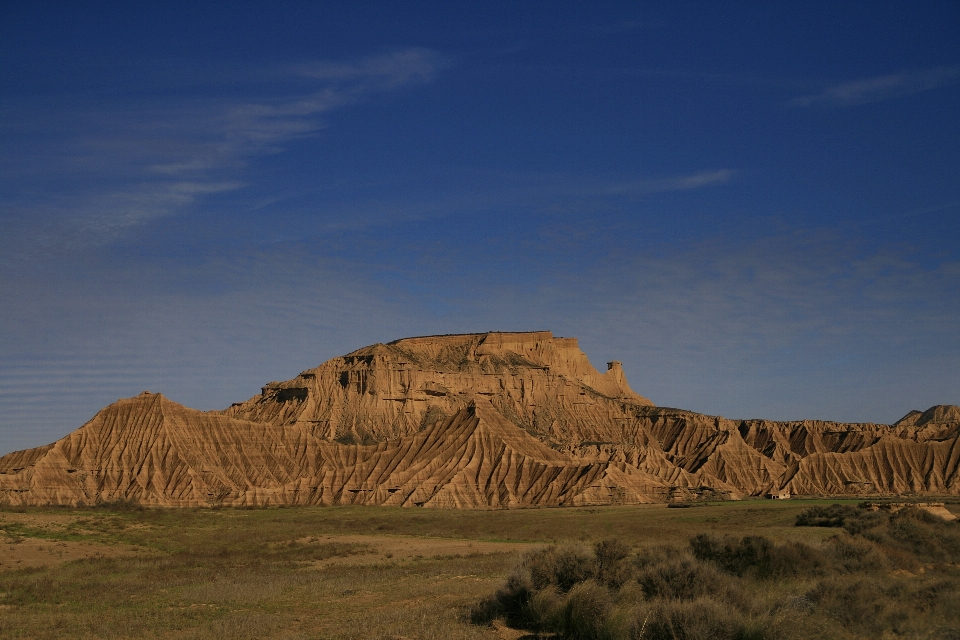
[(880, 575), (729, 570)]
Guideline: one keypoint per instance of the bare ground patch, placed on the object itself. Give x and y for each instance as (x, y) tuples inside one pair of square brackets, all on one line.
[(31, 540), (27, 553)]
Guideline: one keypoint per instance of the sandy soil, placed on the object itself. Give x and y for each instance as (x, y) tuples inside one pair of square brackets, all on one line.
[(32, 552), (23, 552)]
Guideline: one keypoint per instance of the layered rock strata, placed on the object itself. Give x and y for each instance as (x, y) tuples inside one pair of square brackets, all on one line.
[(469, 421), (543, 384)]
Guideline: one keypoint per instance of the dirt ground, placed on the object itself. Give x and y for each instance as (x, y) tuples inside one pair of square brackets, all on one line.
[(24, 551), (33, 552)]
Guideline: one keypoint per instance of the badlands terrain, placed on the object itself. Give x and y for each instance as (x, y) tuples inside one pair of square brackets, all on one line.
[(469, 421)]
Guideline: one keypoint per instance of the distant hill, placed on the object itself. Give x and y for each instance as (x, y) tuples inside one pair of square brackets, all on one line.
[(469, 421)]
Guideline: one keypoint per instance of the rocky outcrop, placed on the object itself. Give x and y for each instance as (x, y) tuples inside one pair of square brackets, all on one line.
[(469, 421), (542, 384)]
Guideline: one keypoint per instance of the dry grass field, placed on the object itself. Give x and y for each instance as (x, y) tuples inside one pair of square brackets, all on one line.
[(118, 571)]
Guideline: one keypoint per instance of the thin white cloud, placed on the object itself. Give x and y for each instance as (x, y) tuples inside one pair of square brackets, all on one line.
[(880, 88), (672, 183), (113, 212), (411, 66), (169, 159), (178, 168)]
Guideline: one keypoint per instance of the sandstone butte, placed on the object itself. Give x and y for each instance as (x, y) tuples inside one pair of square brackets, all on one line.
[(469, 421)]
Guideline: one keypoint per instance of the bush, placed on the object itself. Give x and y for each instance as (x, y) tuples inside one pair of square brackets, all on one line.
[(925, 535), (854, 520), (485, 611), (702, 619), (561, 567), (939, 592), (682, 579), (508, 602), (857, 603), (855, 555), (613, 569), (720, 587), (585, 612), (544, 610), (912, 537), (758, 557), (649, 556), (528, 598), (873, 605), (865, 521), (833, 516)]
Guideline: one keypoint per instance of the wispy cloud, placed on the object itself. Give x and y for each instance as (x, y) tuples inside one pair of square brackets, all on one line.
[(411, 66), (116, 210), (672, 183), (142, 164), (880, 88)]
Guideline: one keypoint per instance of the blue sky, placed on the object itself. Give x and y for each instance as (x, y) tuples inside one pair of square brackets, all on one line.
[(755, 206)]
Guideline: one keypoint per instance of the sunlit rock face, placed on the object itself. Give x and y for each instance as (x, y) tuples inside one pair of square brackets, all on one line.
[(542, 384), (469, 421)]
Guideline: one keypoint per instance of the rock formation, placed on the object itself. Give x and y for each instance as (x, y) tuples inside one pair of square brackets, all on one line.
[(540, 383), (469, 421)]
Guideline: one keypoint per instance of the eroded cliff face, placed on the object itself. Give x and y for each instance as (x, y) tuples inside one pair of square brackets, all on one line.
[(469, 421), (157, 452), (542, 384)]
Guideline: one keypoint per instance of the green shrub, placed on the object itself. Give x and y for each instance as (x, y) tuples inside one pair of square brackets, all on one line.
[(865, 521), (925, 535), (854, 555), (912, 537), (758, 557), (612, 566), (508, 602), (853, 519), (935, 594), (649, 556), (561, 567), (833, 516), (682, 579), (857, 603), (584, 612), (723, 587), (544, 610), (873, 605), (702, 619), (485, 611)]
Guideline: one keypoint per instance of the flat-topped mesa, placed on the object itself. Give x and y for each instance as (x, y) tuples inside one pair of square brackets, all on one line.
[(543, 384), (497, 351)]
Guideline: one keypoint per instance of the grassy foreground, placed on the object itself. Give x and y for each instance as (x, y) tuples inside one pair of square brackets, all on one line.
[(334, 572)]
